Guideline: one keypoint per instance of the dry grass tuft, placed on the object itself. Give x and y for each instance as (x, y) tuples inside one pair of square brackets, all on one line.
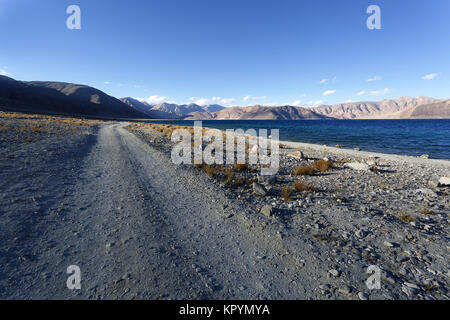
[(405, 217), (286, 193), (301, 186), (240, 166), (323, 165), (427, 212), (304, 171), (239, 181), (210, 171), (228, 175)]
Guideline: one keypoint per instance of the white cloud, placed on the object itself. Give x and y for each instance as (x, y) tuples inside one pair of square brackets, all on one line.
[(373, 93), (3, 71), (315, 103), (296, 103), (328, 92), (206, 101), (375, 78), (107, 82), (152, 99), (327, 80), (430, 76), (349, 100), (250, 97)]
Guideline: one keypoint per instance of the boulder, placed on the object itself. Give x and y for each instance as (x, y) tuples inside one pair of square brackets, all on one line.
[(444, 182), (427, 192), (259, 189), (267, 210), (269, 179), (425, 156), (255, 149), (297, 155), (357, 166)]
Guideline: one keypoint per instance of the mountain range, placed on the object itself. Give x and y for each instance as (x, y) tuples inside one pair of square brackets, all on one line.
[(400, 108), (81, 100), (62, 98), (169, 110)]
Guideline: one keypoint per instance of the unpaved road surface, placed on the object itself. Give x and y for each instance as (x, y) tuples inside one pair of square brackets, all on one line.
[(136, 225), (106, 197)]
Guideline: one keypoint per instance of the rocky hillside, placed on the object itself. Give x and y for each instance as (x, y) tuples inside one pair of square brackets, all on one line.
[(61, 98), (170, 110), (372, 110), (427, 111), (403, 107), (259, 112)]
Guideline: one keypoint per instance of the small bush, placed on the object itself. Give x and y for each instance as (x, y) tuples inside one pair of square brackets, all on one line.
[(405, 217), (286, 193), (239, 181), (322, 165), (168, 132), (301, 186), (240, 166), (229, 175), (426, 212), (210, 171), (304, 171)]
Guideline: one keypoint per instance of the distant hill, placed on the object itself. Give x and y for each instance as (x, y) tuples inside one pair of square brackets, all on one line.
[(170, 110), (62, 98), (260, 113), (437, 110), (403, 107), (372, 110)]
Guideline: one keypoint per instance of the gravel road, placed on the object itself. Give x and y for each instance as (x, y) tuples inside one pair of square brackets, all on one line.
[(106, 197)]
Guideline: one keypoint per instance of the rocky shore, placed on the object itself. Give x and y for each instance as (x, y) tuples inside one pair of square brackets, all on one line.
[(367, 209)]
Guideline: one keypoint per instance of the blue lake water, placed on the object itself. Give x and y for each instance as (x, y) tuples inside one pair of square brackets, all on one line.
[(405, 137)]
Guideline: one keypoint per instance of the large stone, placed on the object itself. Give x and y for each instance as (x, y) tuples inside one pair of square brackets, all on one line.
[(345, 290), (259, 189), (255, 149), (270, 179), (444, 182), (297, 154), (267, 210), (334, 272), (357, 166), (427, 192)]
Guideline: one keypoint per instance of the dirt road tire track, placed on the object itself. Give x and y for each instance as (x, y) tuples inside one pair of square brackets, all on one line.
[(140, 227)]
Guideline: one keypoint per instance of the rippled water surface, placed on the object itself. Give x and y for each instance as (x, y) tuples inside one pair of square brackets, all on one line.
[(404, 137)]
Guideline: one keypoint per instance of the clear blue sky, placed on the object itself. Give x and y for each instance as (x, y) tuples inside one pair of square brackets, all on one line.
[(268, 51)]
